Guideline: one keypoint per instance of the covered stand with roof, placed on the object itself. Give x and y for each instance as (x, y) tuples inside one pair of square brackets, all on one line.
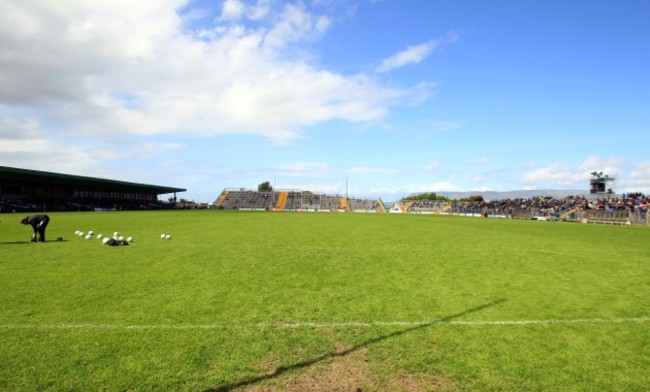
[(32, 190)]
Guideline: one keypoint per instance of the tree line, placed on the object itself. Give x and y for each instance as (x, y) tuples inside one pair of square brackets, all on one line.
[(434, 197)]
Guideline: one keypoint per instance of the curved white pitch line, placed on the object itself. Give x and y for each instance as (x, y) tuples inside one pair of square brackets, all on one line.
[(323, 325)]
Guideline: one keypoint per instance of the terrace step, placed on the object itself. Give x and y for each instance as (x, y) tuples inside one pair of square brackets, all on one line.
[(571, 211), (344, 204), (282, 201), (221, 198)]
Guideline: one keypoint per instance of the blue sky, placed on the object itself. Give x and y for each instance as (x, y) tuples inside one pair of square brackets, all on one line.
[(377, 98)]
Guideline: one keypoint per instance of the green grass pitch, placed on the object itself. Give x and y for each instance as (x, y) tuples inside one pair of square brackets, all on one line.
[(298, 301)]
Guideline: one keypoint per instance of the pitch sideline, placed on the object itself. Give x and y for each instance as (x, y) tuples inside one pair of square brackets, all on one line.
[(325, 325)]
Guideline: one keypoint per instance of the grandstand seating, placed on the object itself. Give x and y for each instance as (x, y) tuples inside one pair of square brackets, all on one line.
[(524, 214), (573, 208), (295, 201), (247, 199), (243, 199), (365, 205), (606, 217)]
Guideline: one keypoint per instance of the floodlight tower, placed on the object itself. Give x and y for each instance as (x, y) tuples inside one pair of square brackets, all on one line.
[(598, 183)]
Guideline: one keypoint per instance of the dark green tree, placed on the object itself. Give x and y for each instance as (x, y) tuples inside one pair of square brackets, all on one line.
[(473, 198), (426, 196), (265, 187)]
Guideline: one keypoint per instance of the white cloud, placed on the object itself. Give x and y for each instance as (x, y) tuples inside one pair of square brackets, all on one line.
[(414, 54), (410, 55), (121, 67), (43, 154), (295, 24), (638, 180), (558, 174), (610, 166), (562, 176), (18, 128), (232, 10)]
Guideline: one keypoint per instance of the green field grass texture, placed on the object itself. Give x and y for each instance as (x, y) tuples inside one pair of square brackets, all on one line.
[(246, 300)]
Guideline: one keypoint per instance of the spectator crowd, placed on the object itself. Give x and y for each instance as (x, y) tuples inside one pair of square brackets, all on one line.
[(544, 206)]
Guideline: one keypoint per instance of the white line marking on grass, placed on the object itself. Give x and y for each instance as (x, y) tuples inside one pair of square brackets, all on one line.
[(323, 325)]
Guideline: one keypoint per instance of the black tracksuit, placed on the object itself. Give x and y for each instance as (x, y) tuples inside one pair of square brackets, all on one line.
[(39, 223)]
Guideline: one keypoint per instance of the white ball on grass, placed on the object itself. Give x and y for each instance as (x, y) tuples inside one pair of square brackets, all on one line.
[(89, 236), (162, 236), (100, 236), (105, 240), (130, 239), (121, 238), (168, 237), (91, 232)]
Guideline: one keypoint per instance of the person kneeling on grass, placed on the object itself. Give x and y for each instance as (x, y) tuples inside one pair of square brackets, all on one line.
[(39, 223)]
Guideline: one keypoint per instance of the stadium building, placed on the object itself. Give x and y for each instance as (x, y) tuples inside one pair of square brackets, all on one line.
[(32, 190), (293, 200)]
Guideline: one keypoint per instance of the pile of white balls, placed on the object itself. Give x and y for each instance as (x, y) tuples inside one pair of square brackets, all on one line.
[(116, 236), (82, 234)]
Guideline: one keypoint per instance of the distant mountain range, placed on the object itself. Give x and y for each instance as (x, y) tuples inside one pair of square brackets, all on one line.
[(523, 194)]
